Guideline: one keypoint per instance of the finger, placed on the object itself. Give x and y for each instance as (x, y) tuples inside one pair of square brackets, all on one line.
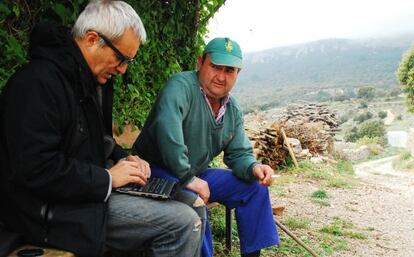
[(146, 169), (133, 158), (138, 173), (205, 199), (138, 180)]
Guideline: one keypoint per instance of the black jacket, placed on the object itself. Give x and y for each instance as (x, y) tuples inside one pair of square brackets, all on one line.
[(52, 148)]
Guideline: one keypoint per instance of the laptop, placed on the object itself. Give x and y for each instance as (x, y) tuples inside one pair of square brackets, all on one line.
[(157, 188)]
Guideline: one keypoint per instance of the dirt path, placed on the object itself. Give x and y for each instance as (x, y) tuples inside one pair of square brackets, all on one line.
[(381, 206), (390, 117), (389, 204)]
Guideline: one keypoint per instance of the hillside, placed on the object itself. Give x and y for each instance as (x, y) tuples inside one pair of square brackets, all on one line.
[(318, 70)]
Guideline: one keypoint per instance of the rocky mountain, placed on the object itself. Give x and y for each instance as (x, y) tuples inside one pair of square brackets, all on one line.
[(329, 66)]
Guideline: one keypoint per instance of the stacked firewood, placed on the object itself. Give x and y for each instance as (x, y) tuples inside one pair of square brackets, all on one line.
[(312, 136), (313, 113), (268, 145), (313, 124)]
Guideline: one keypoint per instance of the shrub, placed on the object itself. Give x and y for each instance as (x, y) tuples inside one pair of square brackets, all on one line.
[(370, 132), (363, 105), (382, 114), (366, 93), (363, 117), (351, 135), (371, 140)]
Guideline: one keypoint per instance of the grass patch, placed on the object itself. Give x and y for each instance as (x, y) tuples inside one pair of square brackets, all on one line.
[(340, 227), (339, 182), (277, 191), (319, 194), (404, 161), (330, 244), (339, 175), (296, 223), (345, 167), (388, 151), (321, 203)]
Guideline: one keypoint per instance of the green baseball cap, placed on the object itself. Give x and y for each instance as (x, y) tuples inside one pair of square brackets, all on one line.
[(224, 51)]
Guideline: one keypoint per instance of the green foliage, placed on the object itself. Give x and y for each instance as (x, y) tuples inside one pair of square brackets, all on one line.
[(340, 227), (366, 93), (363, 117), (351, 135), (404, 161), (366, 140), (296, 223), (363, 105), (320, 194), (382, 114), (405, 74), (370, 130), (175, 31)]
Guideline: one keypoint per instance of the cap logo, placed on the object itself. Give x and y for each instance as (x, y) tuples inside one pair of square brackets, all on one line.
[(228, 46)]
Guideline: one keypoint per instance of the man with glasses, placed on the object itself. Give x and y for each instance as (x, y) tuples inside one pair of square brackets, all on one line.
[(57, 151)]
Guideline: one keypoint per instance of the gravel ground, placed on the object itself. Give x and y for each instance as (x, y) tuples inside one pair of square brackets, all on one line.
[(381, 206)]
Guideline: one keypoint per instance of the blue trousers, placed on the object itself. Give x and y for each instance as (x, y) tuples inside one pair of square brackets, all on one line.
[(251, 202)]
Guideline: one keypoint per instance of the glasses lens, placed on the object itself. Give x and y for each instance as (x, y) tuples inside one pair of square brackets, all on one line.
[(122, 58)]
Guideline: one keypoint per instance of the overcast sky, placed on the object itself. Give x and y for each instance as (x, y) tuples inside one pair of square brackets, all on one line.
[(262, 24)]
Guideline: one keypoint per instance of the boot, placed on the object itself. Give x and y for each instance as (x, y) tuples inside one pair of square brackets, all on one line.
[(253, 254)]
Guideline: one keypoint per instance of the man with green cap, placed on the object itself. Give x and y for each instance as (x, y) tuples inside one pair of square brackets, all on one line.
[(195, 119)]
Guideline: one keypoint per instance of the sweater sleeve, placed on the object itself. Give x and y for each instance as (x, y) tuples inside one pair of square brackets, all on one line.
[(171, 108), (238, 154)]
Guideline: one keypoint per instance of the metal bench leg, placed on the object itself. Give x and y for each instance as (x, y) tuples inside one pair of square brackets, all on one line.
[(228, 229)]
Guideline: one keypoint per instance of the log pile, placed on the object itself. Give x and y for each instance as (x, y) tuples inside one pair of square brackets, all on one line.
[(313, 124), (312, 136), (313, 113), (268, 146)]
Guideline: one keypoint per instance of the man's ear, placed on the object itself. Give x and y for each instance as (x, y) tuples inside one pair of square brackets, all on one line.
[(199, 62), (91, 38)]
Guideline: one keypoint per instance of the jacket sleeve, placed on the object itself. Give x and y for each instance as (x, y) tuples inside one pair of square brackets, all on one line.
[(37, 115), (170, 110), (238, 154)]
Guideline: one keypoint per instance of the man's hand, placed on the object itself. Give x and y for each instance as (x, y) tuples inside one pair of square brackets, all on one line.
[(125, 172), (200, 187), (264, 174), (142, 165)]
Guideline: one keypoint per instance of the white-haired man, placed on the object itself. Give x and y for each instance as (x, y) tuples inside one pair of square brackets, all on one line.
[(56, 167)]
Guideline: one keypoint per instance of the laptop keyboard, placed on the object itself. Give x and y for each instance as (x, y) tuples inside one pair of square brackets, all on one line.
[(154, 186)]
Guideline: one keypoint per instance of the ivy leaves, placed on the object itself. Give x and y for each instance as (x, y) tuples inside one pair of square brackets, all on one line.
[(175, 28)]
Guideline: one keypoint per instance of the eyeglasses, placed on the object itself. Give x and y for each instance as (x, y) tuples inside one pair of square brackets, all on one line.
[(121, 57)]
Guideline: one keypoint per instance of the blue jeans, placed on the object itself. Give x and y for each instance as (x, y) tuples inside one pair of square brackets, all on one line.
[(164, 228), (251, 201)]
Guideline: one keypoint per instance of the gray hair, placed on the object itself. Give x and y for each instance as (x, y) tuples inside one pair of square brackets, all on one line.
[(110, 18)]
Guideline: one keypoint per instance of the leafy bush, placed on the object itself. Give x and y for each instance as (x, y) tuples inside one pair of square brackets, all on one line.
[(405, 75), (363, 105), (363, 117), (382, 114), (351, 135), (372, 129), (366, 93), (371, 140), (370, 132)]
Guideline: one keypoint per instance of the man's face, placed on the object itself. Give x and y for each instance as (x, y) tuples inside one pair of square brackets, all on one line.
[(105, 62), (216, 80)]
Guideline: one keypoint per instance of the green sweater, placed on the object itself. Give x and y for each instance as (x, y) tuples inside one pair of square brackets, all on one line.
[(182, 135)]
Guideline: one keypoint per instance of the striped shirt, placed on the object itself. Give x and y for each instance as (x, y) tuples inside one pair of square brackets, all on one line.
[(223, 105)]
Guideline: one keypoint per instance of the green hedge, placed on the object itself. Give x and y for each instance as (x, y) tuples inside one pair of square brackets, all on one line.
[(175, 37)]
